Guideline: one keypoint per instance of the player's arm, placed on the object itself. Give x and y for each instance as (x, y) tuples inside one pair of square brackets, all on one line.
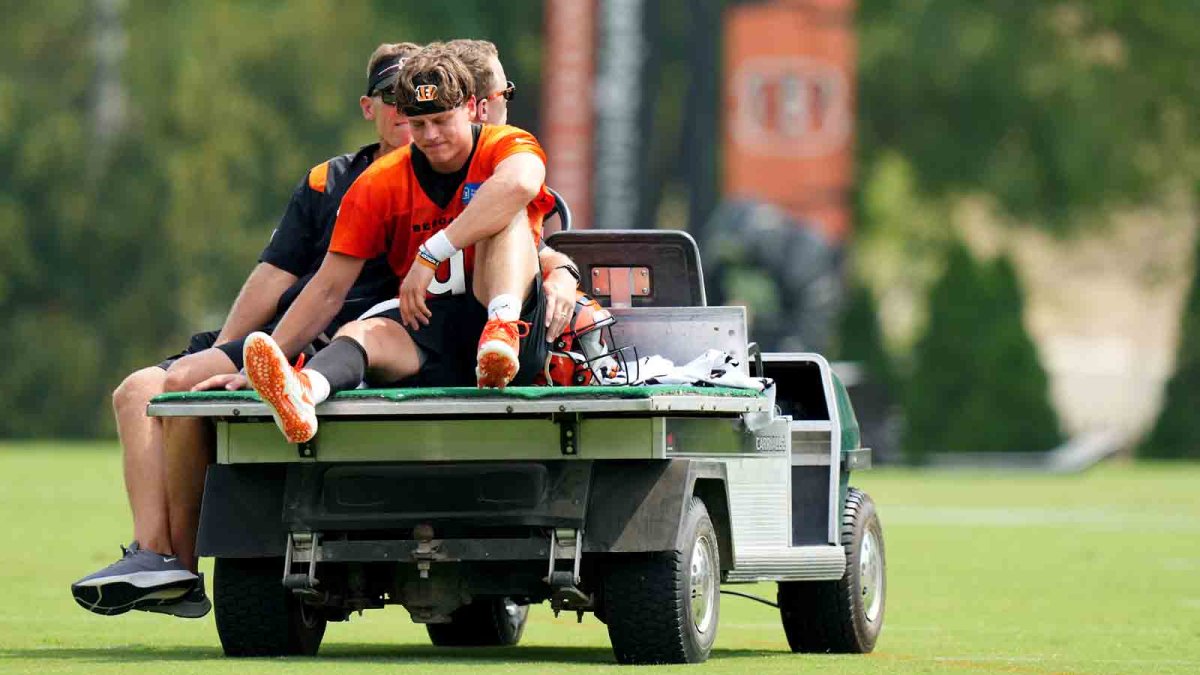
[(552, 261), (318, 303), (560, 286), (256, 302), (516, 180), (288, 255)]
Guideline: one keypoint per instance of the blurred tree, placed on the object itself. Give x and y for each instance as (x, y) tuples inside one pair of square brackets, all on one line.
[(1056, 112), (1176, 434), (1055, 108), (977, 384), (48, 222), (878, 390), (860, 339)]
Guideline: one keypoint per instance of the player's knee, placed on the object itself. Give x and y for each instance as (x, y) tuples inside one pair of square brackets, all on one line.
[(355, 330), (177, 380), (136, 390), (182, 376), (196, 368)]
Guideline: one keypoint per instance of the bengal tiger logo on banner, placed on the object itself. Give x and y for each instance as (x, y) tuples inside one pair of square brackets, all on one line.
[(789, 109)]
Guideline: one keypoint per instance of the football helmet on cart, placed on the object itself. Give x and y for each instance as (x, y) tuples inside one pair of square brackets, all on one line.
[(586, 352)]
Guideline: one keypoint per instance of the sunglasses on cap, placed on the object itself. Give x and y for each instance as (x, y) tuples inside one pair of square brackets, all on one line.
[(387, 94), (508, 92), (382, 82)]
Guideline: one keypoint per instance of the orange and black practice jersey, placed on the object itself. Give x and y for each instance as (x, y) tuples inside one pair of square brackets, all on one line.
[(400, 201), (298, 244)]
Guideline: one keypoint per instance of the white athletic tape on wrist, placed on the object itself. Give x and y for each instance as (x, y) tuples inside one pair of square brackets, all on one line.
[(439, 246)]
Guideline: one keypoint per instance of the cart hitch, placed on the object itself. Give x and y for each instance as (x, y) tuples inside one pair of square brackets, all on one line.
[(564, 584), (428, 549), (302, 545)]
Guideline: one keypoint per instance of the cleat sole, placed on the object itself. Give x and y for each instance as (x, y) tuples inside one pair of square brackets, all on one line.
[(266, 370), (497, 365)]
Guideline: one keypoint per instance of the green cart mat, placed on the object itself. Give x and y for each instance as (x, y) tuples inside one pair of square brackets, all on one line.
[(518, 393)]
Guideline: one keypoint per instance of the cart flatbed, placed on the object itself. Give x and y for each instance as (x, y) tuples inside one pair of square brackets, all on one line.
[(465, 402)]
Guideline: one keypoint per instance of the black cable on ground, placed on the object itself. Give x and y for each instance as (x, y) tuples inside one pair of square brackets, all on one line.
[(752, 597)]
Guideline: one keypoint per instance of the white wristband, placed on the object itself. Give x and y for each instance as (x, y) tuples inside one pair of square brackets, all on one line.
[(439, 246)]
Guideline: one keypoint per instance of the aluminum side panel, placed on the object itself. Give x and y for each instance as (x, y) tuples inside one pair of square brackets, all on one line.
[(759, 508), (444, 440)]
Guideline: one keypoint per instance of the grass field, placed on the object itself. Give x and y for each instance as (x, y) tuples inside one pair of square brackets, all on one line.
[(1098, 573)]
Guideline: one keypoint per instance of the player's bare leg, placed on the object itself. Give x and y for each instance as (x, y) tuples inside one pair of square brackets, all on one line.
[(391, 353), (190, 444), (147, 575), (144, 467), (189, 447), (193, 369), (505, 265)]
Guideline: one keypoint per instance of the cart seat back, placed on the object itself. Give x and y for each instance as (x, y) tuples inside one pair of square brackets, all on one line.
[(635, 268)]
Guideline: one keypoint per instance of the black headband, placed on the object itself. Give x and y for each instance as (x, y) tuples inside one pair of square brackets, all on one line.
[(384, 75), (426, 99), (426, 108)]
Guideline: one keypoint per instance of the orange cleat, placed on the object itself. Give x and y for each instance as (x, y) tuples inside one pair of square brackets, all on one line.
[(496, 362), (284, 388)]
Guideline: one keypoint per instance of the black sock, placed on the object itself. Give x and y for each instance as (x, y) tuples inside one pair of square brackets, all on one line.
[(343, 363)]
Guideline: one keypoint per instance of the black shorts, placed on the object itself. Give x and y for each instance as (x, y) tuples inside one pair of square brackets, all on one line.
[(233, 349), (451, 339), (197, 343)]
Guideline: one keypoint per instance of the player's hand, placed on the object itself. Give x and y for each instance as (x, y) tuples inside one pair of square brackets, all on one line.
[(226, 381), (560, 289), (414, 313)]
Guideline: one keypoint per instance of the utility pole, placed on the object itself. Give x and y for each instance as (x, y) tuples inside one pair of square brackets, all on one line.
[(619, 104), (110, 99)]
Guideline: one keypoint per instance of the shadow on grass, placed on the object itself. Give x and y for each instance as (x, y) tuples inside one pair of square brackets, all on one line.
[(117, 653), (351, 653)]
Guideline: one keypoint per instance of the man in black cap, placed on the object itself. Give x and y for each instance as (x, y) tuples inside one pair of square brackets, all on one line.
[(157, 572)]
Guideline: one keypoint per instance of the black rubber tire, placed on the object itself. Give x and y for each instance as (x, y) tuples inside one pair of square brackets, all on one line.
[(829, 616), (647, 600), (486, 622), (257, 616)]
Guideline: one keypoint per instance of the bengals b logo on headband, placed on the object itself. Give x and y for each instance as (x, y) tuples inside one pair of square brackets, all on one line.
[(426, 93)]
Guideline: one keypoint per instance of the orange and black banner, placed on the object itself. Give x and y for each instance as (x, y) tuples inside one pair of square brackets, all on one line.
[(789, 109)]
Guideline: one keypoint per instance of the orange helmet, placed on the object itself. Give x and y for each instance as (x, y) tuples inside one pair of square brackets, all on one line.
[(586, 352)]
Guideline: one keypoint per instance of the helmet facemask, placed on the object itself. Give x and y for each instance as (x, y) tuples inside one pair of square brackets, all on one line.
[(586, 352)]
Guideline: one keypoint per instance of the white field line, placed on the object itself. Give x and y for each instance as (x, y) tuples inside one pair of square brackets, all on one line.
[(1096, 518), (1072, 659), (1073, 629)]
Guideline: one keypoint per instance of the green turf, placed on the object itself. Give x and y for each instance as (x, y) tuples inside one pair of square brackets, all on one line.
[(1097, 573)]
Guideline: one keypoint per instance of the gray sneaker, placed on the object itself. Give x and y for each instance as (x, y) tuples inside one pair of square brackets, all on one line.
[(192, 605), (139, 576)]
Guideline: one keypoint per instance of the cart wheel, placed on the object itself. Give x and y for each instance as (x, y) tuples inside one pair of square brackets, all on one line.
[(664, 608), (486, 622), (843, 616), (257, 616)]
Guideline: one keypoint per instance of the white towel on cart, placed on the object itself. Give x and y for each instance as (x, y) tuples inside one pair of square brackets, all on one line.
[(713, 367)]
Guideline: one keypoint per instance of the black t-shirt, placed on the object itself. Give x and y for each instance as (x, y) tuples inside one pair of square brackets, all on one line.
[(441, 187), (298, 245)]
